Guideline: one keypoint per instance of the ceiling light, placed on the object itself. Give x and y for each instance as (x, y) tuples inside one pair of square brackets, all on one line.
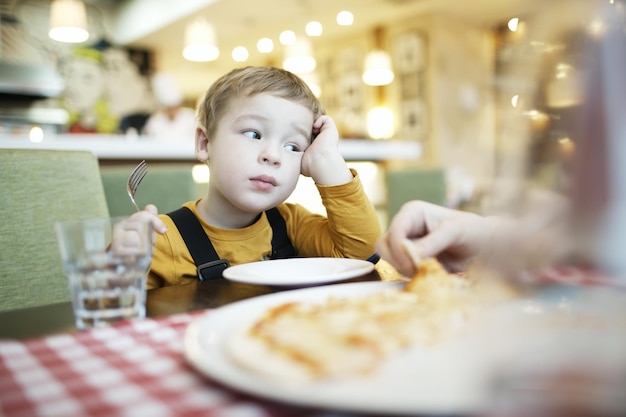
[(345, 18), (313, 28), (68, 21), (240, 54), (299, 57), (380, 123), (513, 23), (287, 37), (265, 45), (200, 41), (378, 69)]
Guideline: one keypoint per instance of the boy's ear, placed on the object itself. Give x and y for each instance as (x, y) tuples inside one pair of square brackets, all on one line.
[(202, 145)]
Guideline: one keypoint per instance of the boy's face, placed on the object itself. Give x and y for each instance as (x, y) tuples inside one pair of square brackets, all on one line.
[(256, 153)]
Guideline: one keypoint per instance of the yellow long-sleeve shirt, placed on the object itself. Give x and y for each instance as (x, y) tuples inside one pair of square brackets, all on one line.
[(350, 230)]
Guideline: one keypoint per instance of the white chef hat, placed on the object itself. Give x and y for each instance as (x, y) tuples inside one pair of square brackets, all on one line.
[(166, 90)]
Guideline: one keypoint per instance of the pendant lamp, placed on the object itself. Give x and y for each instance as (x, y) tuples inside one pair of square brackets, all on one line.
[(378, 69), (200, 41), (68, 21), (299, 57)]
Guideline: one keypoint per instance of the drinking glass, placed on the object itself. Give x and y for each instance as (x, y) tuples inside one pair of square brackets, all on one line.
[(107, 277)]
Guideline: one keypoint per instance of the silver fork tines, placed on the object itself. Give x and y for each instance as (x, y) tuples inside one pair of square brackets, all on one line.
[(134, 180)]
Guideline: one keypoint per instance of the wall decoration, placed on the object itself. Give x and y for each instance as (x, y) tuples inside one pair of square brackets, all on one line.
[(350, 94), (410, 63), (414, 119), (410, 53), (104, 88), (412, 85)]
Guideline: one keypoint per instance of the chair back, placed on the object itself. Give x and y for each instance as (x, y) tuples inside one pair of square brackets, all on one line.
[(166, 185), (40, 188), (405, 184)]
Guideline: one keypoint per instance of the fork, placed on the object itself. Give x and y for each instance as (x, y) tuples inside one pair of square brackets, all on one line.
[(134, 180)]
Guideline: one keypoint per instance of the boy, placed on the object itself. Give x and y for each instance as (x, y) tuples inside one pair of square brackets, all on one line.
[(259, 128)]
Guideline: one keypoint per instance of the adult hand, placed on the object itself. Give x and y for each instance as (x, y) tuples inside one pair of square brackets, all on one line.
[(423, 230)]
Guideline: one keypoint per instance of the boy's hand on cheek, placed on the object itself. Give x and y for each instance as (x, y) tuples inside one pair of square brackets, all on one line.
[(322, 160)]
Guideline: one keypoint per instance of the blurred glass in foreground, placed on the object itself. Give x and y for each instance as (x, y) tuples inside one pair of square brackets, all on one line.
[(562, 159), (561, 351)]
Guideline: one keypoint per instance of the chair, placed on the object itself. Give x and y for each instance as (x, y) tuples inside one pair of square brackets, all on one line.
[(167, 186), (405, 184), (40, 188)]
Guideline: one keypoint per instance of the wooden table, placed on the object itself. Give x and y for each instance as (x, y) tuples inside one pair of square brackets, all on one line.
[(58, 318)]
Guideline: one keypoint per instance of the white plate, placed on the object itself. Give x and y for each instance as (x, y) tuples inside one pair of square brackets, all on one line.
[(298, 271), (422, 381)]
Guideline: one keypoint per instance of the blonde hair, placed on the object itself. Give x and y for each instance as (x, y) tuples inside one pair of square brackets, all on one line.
[(248, 82)]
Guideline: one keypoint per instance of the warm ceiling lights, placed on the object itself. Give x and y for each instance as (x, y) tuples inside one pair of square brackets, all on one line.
[(265, 45), (380, 123), (200, 41), (313, 28), (378, 69), (240, 54), (299, 57), (287, 37), (68, 21), (345, 18)]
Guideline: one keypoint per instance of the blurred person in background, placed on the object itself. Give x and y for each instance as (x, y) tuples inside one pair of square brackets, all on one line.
[(172, 121)]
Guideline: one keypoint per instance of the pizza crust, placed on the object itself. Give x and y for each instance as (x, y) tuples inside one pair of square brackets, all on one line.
[(351, 337)]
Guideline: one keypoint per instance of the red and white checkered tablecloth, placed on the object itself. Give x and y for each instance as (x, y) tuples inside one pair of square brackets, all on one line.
[(134, 368)]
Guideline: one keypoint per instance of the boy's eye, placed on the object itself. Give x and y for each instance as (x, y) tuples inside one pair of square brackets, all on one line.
[(252, 134), (292, 147)]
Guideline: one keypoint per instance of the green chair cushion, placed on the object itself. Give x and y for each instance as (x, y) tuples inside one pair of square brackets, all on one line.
[(40, 188), (167, 186), (406, 184)]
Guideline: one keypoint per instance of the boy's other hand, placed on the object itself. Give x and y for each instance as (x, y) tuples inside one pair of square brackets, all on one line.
[(125, 235), (150, 213)]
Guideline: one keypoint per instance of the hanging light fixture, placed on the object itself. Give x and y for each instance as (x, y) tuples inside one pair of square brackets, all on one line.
[(378, 73), (68, 21), (200, 41), (380, 123), (299, 57), (378, 69)]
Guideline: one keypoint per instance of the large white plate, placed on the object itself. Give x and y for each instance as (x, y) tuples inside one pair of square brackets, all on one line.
[(298, 271), (438, 380)]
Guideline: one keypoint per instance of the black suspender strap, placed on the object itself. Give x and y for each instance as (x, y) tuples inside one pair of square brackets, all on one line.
[(281, 245), (210, 266)]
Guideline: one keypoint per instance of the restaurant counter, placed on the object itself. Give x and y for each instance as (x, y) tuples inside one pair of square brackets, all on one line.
[(120, 148)]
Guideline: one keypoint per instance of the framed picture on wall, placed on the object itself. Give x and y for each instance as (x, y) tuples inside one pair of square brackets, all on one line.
[(414, 119), (409, 51)]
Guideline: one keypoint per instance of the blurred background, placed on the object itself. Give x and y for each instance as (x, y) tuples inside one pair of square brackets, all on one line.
[(445, 101)]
